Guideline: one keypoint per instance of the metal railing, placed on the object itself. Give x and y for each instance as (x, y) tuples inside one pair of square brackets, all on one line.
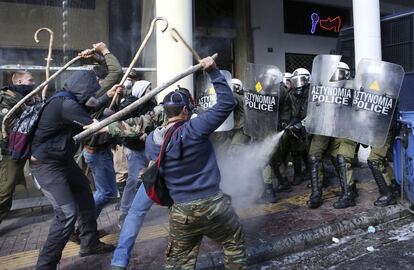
[(42, 68)]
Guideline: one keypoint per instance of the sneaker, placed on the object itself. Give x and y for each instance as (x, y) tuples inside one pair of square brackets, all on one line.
[(74, 237), (121, 220), (99, 248)]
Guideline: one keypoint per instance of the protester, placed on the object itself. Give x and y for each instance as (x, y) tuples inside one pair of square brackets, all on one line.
[(193, 178), (56, 173), (131, 134), (11, 171), (97, 152)]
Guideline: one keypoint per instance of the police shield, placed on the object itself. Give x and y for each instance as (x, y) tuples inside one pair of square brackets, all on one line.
[(377, 87), (329, 101), (206, 97), (261, 96)]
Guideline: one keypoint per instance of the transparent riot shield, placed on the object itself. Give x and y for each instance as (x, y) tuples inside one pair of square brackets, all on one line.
[(377, 87), (261, 95), (329, 102), (206, 97)]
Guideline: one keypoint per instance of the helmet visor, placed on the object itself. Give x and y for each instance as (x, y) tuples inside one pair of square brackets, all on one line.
[(299, 81), (340, 75)]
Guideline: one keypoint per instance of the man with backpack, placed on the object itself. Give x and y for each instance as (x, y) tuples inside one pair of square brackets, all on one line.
[(56, 172), (11, 171), (192, 177)]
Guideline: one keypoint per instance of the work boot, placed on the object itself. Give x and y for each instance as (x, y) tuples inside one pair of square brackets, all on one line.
[(315, 199), (297, 167), (114, 267), (99, 248), (386, 194), (268, 195), (74, 237), (283, 185), (347, 196)]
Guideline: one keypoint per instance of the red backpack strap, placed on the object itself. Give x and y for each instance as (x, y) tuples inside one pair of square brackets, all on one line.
[(170, 132)]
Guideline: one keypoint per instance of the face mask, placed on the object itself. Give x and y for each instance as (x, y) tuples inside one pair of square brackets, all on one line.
[(23, 89), (128, 84)]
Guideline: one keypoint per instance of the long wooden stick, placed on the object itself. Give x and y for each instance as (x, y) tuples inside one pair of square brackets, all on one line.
[(49, 55), (178, 37), (135, 59), (35, 91), (138, 103)]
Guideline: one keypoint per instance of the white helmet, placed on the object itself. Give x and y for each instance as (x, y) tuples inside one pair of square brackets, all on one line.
[(342, 72), (300, 77), (237, 85), (286, 76)]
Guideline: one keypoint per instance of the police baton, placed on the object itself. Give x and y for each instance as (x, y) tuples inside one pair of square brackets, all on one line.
[(138, 103)]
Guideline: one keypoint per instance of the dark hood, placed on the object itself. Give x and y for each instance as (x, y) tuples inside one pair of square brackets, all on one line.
[(82, 84)]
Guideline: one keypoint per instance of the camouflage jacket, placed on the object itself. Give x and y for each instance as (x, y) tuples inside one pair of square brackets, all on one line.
[(134, 128), (8, 99)]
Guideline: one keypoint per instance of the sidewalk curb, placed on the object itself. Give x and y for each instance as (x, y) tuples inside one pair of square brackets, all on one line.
[(301, 240)]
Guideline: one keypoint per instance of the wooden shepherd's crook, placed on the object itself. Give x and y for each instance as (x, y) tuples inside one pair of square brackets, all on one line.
[(137, 104), (177, 37), (49, 55), (135, 59)]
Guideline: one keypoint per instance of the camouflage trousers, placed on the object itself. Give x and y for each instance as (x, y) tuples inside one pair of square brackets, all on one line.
[(213, 217)]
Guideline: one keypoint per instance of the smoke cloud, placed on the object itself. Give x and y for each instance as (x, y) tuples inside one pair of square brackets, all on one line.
[(241, 173)]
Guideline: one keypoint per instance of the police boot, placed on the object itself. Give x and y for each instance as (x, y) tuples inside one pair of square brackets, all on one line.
[(396, 189), (283, 184), (387, 196), (297, 167), (315, 199), (268, 195), (347, 196)]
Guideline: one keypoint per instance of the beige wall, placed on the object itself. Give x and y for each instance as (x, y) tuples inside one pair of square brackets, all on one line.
[(19, 22)]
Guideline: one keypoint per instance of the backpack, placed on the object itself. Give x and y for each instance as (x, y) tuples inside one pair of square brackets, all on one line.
[(22, 132), (154, 183)]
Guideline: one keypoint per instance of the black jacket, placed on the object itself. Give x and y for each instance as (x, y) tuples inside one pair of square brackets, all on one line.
[(64, 117)]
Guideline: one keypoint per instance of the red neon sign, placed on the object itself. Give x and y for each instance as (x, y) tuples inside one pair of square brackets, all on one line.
[(327, 24), (330, 24)]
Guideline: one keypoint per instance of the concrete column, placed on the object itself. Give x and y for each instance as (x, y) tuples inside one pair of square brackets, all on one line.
[(367, 30), (367, 39), (173, 57), (243, 41)]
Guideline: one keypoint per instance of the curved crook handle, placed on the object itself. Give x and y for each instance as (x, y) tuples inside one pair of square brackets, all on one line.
[(49, 55), (177, 37), (141, 48)]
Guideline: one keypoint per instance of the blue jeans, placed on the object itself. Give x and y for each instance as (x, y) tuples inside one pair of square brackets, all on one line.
[(131, 227), (136, 162), (101, 164)]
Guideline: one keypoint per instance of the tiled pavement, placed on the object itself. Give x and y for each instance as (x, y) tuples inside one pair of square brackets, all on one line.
[(22, 236)]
